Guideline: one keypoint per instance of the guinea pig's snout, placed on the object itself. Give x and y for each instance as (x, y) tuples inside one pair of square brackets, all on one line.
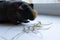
[(34, 15)]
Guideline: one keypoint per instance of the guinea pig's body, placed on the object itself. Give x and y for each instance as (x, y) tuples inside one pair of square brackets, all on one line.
[(3, 11), (15, 12)]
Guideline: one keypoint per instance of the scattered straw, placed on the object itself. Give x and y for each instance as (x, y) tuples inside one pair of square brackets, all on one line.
[(35, 27)]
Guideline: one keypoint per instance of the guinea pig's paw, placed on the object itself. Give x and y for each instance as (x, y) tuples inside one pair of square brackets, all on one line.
[(16, 23)]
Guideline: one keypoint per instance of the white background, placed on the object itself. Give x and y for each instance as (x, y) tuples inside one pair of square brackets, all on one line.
[(42, 1)]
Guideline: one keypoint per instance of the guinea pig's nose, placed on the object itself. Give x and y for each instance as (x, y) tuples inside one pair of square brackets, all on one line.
[(35, 13)]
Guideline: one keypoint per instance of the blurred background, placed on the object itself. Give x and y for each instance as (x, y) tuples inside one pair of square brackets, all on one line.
[(48, 7)]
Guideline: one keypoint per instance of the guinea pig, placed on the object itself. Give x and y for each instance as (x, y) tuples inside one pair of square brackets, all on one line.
[(16, 12)]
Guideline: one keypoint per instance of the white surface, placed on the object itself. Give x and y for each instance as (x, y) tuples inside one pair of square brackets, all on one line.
[(7, 32)]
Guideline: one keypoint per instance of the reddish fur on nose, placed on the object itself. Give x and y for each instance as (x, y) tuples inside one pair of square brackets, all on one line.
[(35, 13)]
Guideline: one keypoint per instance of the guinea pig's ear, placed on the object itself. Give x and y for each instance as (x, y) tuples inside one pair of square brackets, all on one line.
[(32, 6)]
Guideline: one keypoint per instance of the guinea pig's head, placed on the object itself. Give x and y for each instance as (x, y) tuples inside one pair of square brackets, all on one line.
[(28, 12)]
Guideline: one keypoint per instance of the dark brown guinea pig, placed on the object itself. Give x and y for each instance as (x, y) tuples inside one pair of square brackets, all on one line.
[(16, 12)]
